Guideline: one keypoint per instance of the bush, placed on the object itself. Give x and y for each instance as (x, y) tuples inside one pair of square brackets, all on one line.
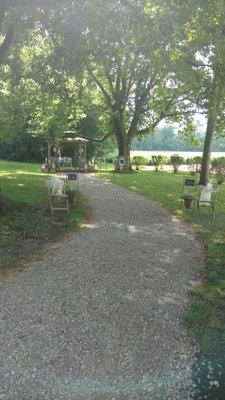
[(158, 162), (198, 163), (138, 161), (194, 164), (110, 160), (176, 161), (218, 166)]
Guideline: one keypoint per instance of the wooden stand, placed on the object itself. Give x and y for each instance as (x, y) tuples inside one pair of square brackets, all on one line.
[(62, 208)]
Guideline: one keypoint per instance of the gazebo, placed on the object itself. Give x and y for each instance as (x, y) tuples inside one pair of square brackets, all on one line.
[(76, 144)]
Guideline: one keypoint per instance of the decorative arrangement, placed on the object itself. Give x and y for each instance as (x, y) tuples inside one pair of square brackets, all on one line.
[(188, 199), (71, 192)]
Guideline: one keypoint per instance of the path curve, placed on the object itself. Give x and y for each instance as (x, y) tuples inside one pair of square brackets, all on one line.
[(100, 317)]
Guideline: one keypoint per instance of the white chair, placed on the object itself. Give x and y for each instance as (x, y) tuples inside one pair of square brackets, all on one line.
[(58, 200), (208, 197)]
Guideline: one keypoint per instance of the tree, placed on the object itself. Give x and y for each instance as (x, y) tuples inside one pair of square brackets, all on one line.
[(128, 67), (200, 54), (40, 101), (212, 68), (8, 31)]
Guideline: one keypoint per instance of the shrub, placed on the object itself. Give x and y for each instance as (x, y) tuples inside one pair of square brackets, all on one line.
[(138, 161), (218, 166), (176, 161), (194, 164), (110, 160), (190, 165), (198, 163), (158, 162)]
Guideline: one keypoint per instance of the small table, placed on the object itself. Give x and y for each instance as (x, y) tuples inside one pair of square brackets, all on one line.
[(64, 207)]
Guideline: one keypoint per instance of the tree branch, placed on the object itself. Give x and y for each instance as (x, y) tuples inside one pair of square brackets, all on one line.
[(101, 139), (129, 86), (138, 104), (190, 112), (163, 116), (101, 87), (2, 14), (152, 126), (6, 44), (110, 82)]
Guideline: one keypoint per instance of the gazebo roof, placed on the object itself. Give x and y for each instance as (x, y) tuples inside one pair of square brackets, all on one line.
[(69, 140)]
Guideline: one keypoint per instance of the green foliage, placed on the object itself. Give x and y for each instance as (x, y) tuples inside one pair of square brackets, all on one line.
[(188, 134), (51, 83), (176, 161), (23, 147), (158, 162), (39, 100), (194, 164), (70, 190), (138, 161), (126, 71), (218, 167)]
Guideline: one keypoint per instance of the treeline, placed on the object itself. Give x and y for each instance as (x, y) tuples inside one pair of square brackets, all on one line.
[(167, 138)]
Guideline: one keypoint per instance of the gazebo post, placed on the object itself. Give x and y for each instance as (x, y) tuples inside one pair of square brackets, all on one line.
[(49, 152)]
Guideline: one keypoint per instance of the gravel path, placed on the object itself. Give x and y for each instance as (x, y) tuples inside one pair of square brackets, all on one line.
[(100, 316)]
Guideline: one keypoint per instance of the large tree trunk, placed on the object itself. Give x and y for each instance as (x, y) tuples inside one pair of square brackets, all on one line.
[(123, 147), (123, 144), (211, 126), (5, 46), (123, 153)]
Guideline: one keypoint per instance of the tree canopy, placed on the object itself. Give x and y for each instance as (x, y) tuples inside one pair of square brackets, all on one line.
[(122, 66)]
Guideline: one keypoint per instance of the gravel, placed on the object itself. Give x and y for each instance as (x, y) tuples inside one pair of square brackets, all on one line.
[(100, 316)]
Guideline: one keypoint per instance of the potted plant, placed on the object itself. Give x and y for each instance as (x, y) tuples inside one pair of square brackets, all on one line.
[(71, 192), (188, 199)]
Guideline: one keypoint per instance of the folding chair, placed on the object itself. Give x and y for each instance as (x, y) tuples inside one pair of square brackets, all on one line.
[(208, 197), (57, 199)]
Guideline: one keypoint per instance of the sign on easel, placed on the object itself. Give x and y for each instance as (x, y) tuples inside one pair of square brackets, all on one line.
[(189, 182), (72, 177)]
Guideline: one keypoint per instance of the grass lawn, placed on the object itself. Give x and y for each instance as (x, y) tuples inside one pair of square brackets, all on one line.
[(30, 226), (206, 316)]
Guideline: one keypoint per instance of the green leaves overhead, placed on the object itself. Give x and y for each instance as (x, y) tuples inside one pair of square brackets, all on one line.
[(135, 63)]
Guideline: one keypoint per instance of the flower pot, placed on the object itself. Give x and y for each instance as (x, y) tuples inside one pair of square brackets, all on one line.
[(187, 203), (71, 198)]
